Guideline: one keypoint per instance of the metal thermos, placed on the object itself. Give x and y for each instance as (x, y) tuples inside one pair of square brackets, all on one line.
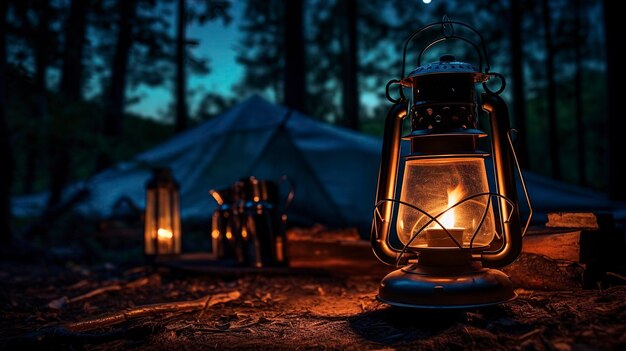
[(266, 232), (249, 224), (226, 241)]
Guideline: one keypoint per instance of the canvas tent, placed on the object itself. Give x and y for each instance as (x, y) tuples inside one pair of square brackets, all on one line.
[(335, 169)]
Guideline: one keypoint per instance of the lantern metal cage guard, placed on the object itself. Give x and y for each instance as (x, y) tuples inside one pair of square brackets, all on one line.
[(454, 276)]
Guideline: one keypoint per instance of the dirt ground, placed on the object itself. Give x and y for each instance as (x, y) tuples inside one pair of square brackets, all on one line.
[(287, 310)]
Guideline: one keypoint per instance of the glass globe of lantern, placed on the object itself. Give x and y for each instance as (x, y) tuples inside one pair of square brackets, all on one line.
[(438, 186)]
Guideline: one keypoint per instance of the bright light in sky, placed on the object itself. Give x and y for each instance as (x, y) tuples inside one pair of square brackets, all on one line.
[(426, 1)]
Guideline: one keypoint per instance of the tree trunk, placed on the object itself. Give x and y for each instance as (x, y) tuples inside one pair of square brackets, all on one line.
[(553, 139), (6, 159), (114, 115), (40, 107), (72, 69), (71, 83), (615, 45), (350, 94), (295, 76), (517, 68), (181, 101), (578, 95)]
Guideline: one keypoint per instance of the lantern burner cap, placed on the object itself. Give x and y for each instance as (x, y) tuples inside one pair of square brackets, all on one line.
[(446, 64)]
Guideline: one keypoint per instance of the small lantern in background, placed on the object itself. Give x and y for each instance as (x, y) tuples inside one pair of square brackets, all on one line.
[(162, 232), (447, 216)]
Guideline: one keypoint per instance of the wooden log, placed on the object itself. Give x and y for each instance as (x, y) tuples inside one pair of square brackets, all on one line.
[(556, 246), (580, 246), (538, 272), (553, 260), (581, 220), (152, 310), (340, 257)]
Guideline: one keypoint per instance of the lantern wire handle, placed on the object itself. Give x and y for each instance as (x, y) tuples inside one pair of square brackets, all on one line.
[(451, 207), (437, 41), (446, 210), (521, 176), (447, 23), (484, 215), (447, 33), (434, 218)]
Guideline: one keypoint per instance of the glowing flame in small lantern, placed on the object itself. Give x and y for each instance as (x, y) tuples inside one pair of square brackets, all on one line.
[(447, 219), (164, 234), (165, 239)]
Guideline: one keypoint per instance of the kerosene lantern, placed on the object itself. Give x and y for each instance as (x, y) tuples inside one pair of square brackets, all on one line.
[(452, 221), (162, 235)]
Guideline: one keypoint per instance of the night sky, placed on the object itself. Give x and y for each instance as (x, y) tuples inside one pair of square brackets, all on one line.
[(216, 41)]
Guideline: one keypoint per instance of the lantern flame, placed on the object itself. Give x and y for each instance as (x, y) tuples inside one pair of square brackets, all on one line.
[(447, 219)]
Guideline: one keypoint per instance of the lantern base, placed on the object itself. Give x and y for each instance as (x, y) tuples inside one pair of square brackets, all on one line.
[(456, 284)]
